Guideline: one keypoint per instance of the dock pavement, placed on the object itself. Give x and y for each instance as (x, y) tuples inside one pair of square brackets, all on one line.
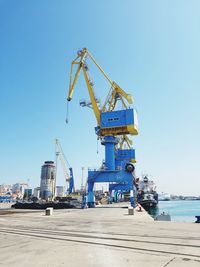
[(102, 236)]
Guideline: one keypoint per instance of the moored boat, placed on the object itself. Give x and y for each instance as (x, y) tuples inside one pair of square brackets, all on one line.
[(147, 196)]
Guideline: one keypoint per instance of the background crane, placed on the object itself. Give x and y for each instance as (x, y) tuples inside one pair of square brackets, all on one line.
[(65, 165)]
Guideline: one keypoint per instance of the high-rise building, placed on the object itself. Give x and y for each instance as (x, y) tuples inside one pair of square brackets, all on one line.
[(47, 184)]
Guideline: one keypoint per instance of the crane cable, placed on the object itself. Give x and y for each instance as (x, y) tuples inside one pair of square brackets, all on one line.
[(67, 113), (97, 145)]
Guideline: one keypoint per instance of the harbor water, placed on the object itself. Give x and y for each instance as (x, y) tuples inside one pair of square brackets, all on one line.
[(180, 210)]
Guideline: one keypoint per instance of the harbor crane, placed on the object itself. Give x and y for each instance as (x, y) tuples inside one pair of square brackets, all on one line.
[(113, 128), (115, 94), (69, 178)]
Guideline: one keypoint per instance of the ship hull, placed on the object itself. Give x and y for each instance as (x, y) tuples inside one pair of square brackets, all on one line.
[(148, 204)]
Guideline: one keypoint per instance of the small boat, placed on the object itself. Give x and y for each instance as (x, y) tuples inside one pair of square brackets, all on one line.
[(163, 217)]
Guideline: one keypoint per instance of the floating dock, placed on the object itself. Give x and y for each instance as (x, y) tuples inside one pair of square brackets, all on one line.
[(103, 236)]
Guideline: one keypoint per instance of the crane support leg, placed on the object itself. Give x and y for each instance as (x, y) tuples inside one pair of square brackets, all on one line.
[(110, 197), (119, 172), (109, 142), (90, 195), (121, 180)]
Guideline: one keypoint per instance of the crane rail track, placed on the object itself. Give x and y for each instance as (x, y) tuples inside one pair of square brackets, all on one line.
[(191, 238), (66, 235)]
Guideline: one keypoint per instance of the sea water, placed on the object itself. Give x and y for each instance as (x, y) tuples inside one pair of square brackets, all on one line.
[(180, 210)]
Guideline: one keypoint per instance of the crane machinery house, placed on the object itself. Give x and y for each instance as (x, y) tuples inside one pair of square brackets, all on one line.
[(119, 122)]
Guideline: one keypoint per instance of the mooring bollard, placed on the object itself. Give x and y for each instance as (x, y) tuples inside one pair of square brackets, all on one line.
[(49, 211), (130, 211)]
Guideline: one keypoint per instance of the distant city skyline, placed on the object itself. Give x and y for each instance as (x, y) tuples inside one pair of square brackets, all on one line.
[(151, 49), (21, 186)]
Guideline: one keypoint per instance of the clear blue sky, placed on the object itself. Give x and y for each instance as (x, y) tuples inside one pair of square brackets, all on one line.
[(150, 48)]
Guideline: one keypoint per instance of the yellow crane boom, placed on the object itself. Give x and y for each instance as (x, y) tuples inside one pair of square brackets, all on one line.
[(116, 92)]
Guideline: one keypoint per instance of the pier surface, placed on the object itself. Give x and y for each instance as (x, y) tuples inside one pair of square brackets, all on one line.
[(103, 236)]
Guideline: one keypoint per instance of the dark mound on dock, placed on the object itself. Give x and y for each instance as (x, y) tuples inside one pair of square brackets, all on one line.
[(42, 206)]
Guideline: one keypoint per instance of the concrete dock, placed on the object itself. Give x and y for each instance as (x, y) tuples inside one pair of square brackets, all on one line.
[(103, 236)]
